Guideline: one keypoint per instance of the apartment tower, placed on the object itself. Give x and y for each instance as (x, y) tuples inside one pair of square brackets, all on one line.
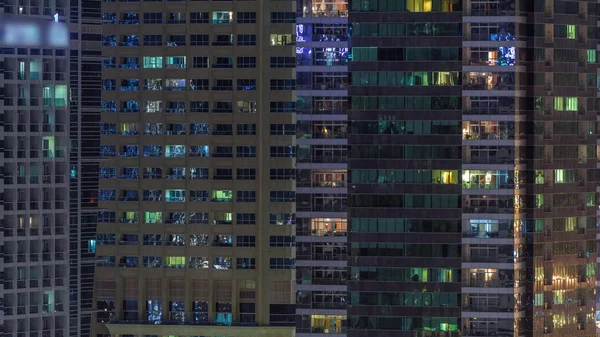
[(45, 85), (196, 220), (322, 83), (472, 157)]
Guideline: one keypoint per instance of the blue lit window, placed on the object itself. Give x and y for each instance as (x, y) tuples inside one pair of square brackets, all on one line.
[(200, 311), (152, 195), (130, 151), (152, 151), (109, 62), (129, 261), (130, 41), (177, 218), (130, 106), (130, 19), (197, 218), (199, 129), (199, 151), (130, 85), (154, 311), (129, 195), (198, 173), (108, 151), (106, 195), (176, 173), (222, 262), (106, 239), (152, 239), (246, 84), (175, 107), (109, 106), (109, 18), (92, 246), (199, 195), (152, 262), (106, 217), (152, 172), (109, 85), (177, 311), (130, 63), (107, 172), (108, 129), (129, 173), (109, 40)]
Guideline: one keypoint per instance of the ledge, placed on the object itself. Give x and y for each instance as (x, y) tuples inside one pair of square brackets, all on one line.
[(201, 330)]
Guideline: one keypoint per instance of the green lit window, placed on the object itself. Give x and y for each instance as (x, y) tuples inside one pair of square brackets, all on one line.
[(571, 32), (223, 218), (222, 196), (539, 298), (565, 103), (591, 199), (175, 261), (539, 176), (152, 217), (153, 62), (129, 217), (559, 296), (175, 195), (539, 225), (590, 269), (539, 200), (592, 56)]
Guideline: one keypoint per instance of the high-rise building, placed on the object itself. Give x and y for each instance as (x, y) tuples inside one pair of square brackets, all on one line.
[(322, 83), (472, 199), (196, 227), (45, 89)]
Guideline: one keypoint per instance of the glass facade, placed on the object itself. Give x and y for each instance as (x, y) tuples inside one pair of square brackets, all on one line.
[(472, 155)]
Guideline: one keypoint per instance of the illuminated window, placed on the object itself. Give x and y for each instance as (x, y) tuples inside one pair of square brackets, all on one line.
[(153, 62), (570, 224), (565, 103), (539, 176), (571, 32), (152, 217), (175, 261), (539, 200), (592, 56), (222, 196)]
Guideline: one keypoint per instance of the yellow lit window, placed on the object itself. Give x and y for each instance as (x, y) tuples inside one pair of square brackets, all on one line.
[(175, 261)]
